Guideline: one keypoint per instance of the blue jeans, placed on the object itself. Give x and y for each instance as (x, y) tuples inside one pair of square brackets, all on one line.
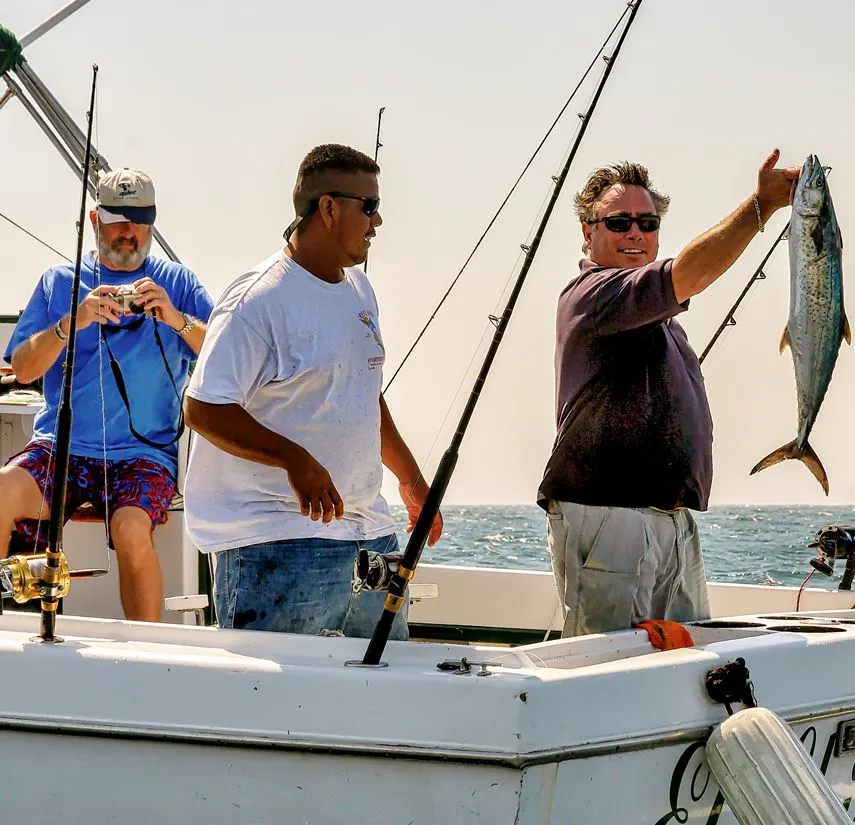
[(300, 586)]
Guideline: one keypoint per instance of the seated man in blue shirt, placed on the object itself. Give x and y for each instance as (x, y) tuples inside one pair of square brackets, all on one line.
[(133, 353)]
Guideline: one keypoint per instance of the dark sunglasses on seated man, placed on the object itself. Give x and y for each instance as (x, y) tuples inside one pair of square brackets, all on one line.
[(623, 223)]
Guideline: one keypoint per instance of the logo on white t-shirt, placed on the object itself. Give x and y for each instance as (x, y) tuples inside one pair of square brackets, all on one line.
[(366, 318)]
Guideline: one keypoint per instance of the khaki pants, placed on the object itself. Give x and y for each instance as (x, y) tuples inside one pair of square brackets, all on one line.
[(617, 566)]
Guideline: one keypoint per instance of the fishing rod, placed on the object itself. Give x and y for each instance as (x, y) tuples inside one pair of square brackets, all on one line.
[(759, 275), (410, 559), (51, 578), (504, 203), (377, 147)]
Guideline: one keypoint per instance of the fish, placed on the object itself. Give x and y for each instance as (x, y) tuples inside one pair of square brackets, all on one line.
[(817, 321)]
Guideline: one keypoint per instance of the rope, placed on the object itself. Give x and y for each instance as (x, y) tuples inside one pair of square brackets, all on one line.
[(799, 597), (10, 51)]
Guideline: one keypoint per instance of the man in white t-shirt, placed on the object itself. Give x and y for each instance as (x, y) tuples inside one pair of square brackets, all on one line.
[(284, 484)]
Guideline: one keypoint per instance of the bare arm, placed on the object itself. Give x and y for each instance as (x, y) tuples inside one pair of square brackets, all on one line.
[(709, 256), (32, 359), (233, 430), (397, 457), (395, 453)]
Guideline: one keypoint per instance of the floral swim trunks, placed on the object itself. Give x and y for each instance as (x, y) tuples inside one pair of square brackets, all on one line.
[(132, 483)]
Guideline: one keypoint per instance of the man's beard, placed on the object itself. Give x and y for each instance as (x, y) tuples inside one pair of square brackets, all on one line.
[(123, 256)]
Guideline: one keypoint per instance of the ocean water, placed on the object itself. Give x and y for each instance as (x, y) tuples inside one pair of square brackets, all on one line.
[(747, 545)]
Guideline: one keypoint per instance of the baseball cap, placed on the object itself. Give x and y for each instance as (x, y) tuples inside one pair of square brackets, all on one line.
[(126, 195)]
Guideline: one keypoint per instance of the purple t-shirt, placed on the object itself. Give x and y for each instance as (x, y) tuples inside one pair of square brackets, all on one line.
[(634, 424)]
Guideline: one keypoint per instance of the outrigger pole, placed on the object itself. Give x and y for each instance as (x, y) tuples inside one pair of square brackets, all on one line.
[(51, 576), (48, 113), (407, 566)]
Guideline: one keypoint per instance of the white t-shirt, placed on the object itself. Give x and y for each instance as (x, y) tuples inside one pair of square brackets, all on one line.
[(304, 358)]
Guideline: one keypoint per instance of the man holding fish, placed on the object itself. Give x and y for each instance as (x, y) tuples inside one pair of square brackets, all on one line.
[(817, 321), (633, 454)]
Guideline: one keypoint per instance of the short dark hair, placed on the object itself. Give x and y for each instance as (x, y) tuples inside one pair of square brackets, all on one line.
[(317, 166), (625, 174)]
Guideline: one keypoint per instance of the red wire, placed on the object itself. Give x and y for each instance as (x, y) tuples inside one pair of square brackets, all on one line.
[(799, 597)]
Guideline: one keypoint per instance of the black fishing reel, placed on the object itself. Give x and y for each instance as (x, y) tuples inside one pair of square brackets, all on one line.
[(373, 571), (835, 542)]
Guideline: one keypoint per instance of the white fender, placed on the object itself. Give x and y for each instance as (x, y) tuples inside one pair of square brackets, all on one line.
[(767, 776)]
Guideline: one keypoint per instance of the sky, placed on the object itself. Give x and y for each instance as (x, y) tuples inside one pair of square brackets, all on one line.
[(220, 102)]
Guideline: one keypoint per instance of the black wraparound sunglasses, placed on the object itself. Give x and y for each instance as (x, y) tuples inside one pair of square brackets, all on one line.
[(623, 223), (369, 207)]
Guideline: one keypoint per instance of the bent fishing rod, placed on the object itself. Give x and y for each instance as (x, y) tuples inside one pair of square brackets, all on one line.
[(52, 575), (410, 559)]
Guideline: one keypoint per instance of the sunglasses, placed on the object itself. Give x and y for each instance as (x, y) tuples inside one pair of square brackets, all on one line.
[(623, 223), (369, 205)]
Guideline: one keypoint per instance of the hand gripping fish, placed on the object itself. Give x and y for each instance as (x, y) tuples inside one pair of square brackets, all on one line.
[(817, 321)]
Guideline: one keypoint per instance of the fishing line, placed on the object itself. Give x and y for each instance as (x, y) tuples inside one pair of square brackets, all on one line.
[(489, 327), (493, 319), (508, 196), (35, 237), (102, 341)]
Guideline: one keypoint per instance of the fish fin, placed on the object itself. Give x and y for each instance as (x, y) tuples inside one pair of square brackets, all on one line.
[(816, 236), (811, 460), (806, 455), (847, 332), (785, 340)]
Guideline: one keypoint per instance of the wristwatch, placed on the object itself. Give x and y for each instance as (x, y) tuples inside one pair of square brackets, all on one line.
[(189, 323), (57, 330)]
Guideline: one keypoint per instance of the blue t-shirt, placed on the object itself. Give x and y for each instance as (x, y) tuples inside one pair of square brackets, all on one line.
[(153, 401)]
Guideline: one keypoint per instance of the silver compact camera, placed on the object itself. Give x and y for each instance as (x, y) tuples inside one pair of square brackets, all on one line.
[(127, 299)]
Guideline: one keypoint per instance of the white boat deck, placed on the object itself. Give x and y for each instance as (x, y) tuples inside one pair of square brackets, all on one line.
[(246, 688)]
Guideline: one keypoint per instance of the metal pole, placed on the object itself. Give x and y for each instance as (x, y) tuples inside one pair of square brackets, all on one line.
[(75, 139), (43, 125), (52, 21)]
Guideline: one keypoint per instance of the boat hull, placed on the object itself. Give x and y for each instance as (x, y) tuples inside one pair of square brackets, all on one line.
[(138, 723)]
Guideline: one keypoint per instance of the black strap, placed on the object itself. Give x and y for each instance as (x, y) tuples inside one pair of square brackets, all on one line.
[(120, 385)]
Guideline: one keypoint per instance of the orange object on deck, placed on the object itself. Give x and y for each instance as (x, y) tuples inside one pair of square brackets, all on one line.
[(666, 635)]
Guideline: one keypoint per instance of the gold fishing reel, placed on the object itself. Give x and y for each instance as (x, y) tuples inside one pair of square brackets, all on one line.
[(21, 576)]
